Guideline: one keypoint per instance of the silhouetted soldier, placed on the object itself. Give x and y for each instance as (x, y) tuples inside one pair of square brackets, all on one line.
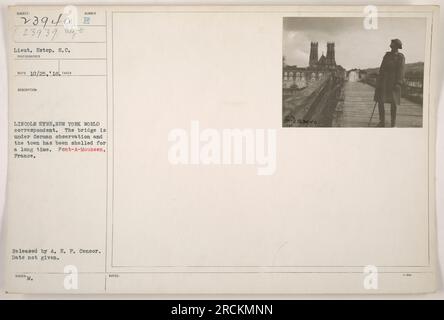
[(389, 82)]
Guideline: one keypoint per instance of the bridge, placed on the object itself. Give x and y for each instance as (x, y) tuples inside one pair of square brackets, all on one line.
[(330, 102), (357, 107)]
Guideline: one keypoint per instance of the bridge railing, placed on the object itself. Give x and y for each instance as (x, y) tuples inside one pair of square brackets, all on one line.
[(411, 89), (316, 108)]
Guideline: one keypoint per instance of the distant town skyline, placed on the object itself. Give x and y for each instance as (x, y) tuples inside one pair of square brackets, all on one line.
[(355, 46)]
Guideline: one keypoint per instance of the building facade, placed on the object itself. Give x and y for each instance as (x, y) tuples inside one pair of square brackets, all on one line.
[(295, 77)]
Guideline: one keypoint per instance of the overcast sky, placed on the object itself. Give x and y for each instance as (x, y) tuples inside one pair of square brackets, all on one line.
[(355, 46)]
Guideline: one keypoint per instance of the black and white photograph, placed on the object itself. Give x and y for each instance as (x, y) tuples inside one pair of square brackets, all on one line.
[(346, 72)]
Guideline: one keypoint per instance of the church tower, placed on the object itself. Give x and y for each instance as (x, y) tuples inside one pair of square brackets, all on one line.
[(331, 61), (313, 54)]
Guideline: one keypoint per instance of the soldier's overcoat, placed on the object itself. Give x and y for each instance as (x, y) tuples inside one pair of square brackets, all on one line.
[(390, 78)]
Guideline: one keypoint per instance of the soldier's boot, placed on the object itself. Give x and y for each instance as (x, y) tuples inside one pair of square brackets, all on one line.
[(393, 114), (381, 114)]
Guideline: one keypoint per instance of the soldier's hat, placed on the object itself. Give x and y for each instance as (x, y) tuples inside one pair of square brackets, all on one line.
[(398, 43)]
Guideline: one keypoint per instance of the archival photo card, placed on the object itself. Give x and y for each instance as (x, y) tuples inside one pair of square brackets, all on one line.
[(151, 149)]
